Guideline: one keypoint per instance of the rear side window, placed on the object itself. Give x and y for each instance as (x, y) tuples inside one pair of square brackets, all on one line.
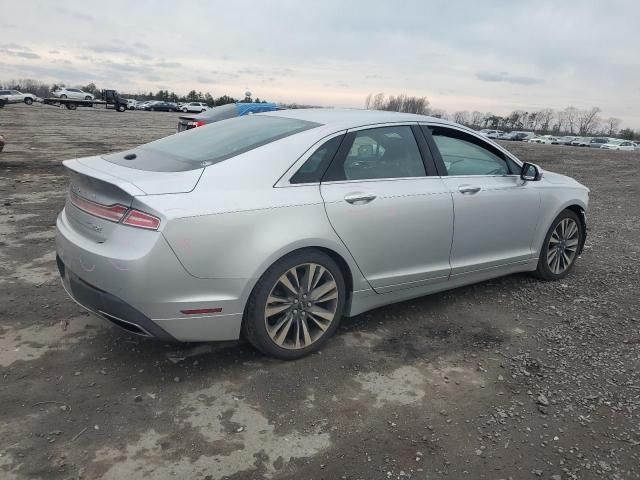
[(204, 146), (377, 153), (315, 166)]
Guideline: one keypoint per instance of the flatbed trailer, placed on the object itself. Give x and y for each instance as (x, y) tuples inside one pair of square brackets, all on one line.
[(109, 98)]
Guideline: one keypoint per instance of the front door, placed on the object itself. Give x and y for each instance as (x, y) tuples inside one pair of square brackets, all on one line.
[(396, 221), (495, 211)]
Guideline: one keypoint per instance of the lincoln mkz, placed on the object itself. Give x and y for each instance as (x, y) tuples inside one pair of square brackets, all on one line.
[(274, 226)]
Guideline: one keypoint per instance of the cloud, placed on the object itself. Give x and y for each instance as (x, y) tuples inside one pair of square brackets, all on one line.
[(54, 52), (506, 77), (132, 52), (20, 53), (164, 64)]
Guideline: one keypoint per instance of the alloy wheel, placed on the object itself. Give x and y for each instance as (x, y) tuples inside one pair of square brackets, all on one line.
[(563, 246), (301, 306)]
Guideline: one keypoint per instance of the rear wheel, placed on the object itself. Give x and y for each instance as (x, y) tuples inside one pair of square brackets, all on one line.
[(561, 245), (185, 110), (63, 96), (87, 97), (71, 106), (296, 305), (28, 100)]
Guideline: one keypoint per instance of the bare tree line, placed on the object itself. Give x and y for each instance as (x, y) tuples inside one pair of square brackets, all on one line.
[(570, 121), (401, 103)]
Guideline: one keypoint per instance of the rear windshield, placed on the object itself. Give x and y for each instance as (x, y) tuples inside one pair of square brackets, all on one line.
[(204, 146)]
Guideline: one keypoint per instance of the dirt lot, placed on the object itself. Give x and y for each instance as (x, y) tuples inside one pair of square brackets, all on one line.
[(511, 378)]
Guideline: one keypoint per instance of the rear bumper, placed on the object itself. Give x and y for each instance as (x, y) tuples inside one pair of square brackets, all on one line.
[(134, 280), (109, 307)]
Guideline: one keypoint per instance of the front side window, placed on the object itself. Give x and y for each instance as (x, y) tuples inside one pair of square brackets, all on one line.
[(463, 154), (385, 152)]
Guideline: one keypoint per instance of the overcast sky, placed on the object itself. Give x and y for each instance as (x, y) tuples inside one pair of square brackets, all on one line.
[(487, 55)]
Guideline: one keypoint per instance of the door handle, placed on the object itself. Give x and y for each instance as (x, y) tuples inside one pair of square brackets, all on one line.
[(468, 189), (359, 198)]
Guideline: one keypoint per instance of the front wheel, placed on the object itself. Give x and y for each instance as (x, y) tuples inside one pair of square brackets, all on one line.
[(28, 101), (296, 305), (63, 96), (561, 246), (185, 110), (88, 98)]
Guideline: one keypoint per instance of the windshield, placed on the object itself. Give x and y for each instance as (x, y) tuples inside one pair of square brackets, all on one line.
[(204, 146)]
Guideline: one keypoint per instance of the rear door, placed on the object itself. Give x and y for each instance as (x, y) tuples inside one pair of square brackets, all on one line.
[(496, 212), (390, 209)]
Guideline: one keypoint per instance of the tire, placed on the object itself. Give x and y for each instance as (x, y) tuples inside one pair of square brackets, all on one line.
[(63, 96), (28, 100), (2, 103), (305, 331), (152, 109), (71, 106), (121, 108), (88, 98), (554, 267), (203, 110), (185, 110)]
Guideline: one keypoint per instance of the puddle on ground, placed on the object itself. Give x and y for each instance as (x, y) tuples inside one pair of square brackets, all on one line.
[(246, 439), (38, 271), (402, 386), (31, 343)]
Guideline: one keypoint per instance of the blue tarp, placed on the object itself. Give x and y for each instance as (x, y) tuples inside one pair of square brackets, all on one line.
[(249, 108)]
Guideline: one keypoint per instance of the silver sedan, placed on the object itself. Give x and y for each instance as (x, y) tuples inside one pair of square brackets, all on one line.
[(274, 226)]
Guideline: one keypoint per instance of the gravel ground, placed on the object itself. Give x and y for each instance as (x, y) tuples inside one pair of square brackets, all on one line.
[(511, 378)]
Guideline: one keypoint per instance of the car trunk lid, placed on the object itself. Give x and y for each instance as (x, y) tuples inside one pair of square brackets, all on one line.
[(101, 193)]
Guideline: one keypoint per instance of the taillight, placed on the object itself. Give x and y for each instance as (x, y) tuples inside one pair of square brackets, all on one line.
[(136, 218), (198, 123), (113, 213), (116, 213)]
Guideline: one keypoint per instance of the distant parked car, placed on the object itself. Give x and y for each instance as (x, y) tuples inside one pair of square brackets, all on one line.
[(161, 107), (599, 141), (495, 134), (194, 107), (582, 142), (619, 145), (14, 96), (131, 104), (223, 112), (566, 140), (74, 93), (486, 132), (518, 136), (546, 139)]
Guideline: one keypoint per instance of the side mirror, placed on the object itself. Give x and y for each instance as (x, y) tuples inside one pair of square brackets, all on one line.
[(530, 172)]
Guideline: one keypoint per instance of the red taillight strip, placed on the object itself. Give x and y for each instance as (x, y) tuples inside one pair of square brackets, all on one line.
[(136, 218), (113, 213), (116, 213)]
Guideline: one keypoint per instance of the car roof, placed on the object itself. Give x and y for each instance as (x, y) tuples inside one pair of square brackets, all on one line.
[(342, 118)]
